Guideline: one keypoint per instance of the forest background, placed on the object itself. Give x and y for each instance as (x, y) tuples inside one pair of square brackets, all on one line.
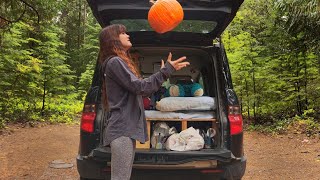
[(48, 50)]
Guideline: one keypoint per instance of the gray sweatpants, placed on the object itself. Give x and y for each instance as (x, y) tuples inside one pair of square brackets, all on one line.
[(122, 156)]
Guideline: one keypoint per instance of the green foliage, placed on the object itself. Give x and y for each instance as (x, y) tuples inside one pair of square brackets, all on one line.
[(85, 80), (298, 124), (64, 108), (33, 71), (275, 73), (279, 126), (81, 36), (244, 40), (301, 17), (56, 74), (43, 63), (89, 54), (46, 68), (20, 73)]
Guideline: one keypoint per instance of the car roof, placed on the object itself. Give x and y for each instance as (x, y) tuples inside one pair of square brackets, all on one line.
[(219, 12)]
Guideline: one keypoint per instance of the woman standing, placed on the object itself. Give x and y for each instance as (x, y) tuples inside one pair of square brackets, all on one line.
[(122, 93)]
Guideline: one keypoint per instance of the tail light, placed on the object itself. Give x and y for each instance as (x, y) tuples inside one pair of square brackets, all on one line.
[(235, 119), (88, 117)]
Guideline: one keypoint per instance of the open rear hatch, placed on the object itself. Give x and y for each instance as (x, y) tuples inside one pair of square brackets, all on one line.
[(204, 20)]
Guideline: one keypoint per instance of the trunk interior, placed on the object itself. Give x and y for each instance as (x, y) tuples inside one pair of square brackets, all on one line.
[(201, 70)]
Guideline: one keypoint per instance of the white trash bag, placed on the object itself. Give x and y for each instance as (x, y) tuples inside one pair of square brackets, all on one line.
[(175, 143), (186, 140)]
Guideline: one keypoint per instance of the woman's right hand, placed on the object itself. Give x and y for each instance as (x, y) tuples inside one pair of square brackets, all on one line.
[(177, 64)]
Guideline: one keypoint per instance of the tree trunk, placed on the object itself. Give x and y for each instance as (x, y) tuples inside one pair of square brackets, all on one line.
[(79, 25), (299, 108), (78, 73), (84, 21), (253, 80), (254, 95), (318, 55), (43, 97), (241, 95), (305, 81), (248, 99)]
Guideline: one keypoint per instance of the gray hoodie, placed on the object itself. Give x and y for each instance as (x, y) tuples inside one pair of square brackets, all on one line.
[(125, 91)]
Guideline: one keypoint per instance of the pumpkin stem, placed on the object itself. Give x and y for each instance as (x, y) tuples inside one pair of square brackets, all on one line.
[(152, 2)]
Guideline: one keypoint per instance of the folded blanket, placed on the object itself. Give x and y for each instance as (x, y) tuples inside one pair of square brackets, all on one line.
[(186, 103), (179, 115)]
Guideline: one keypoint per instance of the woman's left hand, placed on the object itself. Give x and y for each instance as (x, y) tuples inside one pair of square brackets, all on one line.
[(177, 64)]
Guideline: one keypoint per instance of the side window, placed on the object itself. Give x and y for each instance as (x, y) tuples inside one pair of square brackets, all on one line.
[(204, 81), (201, 81)]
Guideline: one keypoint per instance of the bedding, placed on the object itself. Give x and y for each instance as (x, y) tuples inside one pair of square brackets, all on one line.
[(153, 114), (201, 103)]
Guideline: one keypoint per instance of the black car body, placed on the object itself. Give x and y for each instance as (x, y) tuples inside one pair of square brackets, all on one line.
[(198, 38)]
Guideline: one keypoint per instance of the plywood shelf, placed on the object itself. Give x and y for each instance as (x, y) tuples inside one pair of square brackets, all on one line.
[(184, 125), (176, 119)]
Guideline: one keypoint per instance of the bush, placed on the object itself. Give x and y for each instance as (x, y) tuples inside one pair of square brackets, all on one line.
[(304, 124), (60, 109)]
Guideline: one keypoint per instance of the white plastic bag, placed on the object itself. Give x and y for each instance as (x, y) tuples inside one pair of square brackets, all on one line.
[(193, 138), (175, 143), (186, 140)]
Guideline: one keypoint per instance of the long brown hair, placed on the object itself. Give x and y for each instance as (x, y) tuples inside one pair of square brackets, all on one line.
[(110, 45)]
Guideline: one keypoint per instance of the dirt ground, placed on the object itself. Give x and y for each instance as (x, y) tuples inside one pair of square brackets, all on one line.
[(26, 153)]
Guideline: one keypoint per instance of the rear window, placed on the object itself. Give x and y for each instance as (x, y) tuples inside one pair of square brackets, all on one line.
[(194, 26)]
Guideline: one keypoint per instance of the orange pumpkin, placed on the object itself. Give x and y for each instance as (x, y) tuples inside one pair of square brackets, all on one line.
[(165, 15)]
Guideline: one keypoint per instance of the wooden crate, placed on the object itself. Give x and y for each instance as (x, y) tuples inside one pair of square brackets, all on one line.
[(184, 125)]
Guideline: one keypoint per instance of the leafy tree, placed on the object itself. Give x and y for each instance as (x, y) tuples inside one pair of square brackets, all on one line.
[(301, 20), (244, 40), (56, 74), (48, 50), (302, 17), (89, 53), (276, 70), (74, 18), (19, 72)]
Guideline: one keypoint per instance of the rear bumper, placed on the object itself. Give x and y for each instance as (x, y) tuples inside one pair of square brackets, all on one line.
[(235, 170), (159, 157), (89, 168)]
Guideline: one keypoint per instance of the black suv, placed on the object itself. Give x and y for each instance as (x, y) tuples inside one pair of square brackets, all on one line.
[(198, 38)]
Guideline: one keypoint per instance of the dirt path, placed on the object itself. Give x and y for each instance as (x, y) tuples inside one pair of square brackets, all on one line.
[(27, 152), (282, 157)]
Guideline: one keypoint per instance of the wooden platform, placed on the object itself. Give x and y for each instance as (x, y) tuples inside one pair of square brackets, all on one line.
[(184, 125)]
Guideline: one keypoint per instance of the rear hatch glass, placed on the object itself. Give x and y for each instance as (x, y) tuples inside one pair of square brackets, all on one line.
[(190, 26), (203, 20)]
